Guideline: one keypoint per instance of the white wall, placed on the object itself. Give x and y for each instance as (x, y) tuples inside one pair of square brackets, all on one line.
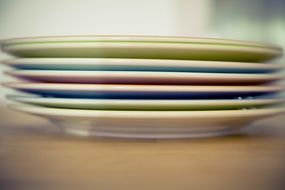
[(19, 18)]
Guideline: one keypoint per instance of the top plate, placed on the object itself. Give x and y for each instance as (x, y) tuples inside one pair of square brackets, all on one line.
[(141, 47)]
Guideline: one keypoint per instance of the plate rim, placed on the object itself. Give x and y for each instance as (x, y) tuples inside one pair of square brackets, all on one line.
[(145, 77), (125, 62), (143, 45), (80, 73), (140, 88), (138, 38), (251, 113), (212, 102), (145, 50)]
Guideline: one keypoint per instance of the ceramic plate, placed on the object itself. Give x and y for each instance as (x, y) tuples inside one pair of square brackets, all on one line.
[(115, 104), (141, 47), (150, 124), (132, 38), (102, 91), (140, 77), (111, 64)]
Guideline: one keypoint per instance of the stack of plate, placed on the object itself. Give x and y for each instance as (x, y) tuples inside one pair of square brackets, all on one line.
[(145, 87)]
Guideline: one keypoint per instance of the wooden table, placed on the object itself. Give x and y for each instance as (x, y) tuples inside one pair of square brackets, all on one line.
[(34, 155)]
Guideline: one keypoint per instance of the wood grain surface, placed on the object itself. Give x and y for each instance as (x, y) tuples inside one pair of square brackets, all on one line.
[(35, 155)]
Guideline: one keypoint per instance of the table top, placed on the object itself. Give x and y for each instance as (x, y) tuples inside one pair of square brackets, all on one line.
[(35, 155)]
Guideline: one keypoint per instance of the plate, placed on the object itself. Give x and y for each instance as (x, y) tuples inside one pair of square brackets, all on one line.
[(133, 38), (103, 91), (111, 64), (150, 124), (168, 105), (144, 77), (141, 47)]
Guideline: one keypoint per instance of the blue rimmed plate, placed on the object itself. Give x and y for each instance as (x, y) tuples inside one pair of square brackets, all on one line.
[(112, 64), (103, 91)]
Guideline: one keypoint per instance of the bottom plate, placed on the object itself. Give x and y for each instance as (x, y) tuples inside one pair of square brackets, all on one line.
[(150, 124)]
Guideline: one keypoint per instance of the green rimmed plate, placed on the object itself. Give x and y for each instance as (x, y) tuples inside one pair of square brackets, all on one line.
[(141, 47), (167, 105), (150, 124)]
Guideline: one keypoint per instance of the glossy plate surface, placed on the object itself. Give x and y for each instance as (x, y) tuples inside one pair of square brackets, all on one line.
[(103, 91), (139, 77), (115, 104), (141, 47), (132, 38), (114, 64), (150, 124)]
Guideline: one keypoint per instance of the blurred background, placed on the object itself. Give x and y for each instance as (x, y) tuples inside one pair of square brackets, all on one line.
[(256, 20)]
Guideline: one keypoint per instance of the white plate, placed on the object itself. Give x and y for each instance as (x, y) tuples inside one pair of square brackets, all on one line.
[(144, 77), (112, 64), (150, 124), (156, 105), (103, 91), (141, 47)]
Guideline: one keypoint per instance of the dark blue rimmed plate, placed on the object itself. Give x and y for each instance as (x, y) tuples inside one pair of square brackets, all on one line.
[(104, 91)]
